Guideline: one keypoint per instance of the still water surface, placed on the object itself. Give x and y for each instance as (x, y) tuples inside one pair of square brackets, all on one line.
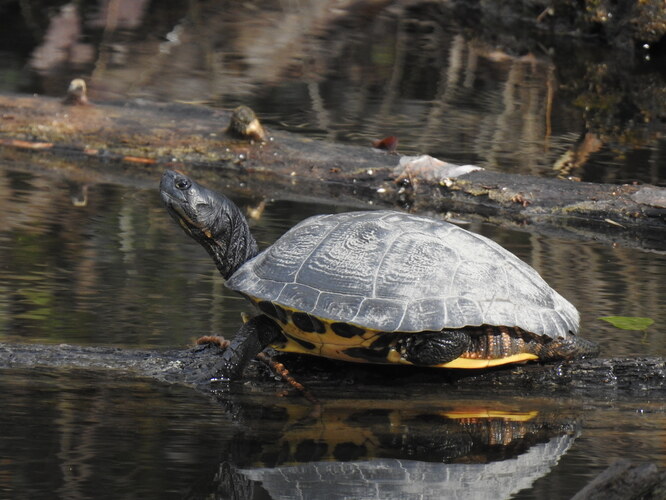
[(116, 270)]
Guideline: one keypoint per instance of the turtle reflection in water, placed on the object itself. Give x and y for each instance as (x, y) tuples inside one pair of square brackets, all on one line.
[(378, 287), (368, 451)]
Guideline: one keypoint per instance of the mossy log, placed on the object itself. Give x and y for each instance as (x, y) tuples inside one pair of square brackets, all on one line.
[(634, 378), (146, 137)]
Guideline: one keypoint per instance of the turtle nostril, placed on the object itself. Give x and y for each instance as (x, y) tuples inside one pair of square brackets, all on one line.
[(182, 183)]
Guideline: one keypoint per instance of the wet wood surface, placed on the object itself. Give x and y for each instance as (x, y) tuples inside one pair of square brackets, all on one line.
[(599, 378)]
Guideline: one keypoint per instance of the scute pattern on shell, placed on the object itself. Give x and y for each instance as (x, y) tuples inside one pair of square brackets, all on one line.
[(390, 271)]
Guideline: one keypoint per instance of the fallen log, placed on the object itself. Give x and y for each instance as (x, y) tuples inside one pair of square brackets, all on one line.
[(147, 137), (633, 378), (192, 367)]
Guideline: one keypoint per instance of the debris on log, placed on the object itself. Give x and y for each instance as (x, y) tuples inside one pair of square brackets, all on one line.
[(149, 137)]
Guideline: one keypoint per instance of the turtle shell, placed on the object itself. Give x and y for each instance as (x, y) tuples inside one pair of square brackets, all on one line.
[(387, 271)]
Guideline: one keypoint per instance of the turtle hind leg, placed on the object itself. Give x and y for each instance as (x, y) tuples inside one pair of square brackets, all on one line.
[(252, 338), (575, 347), (433, 348)]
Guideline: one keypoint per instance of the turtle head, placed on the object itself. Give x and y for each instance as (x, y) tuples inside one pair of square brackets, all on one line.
[(210, 218)]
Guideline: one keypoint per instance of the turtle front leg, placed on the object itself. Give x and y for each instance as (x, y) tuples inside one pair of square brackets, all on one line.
[(433, 348), (252, 338)]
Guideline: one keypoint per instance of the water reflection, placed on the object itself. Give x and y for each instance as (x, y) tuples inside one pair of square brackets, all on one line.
[(378, 449), (80, 434), (67, 433), (364, 70), (86, 435)]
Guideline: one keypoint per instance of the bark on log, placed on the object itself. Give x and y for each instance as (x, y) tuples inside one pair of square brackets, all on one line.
[(149, 137), (192, 367), (633, 378)]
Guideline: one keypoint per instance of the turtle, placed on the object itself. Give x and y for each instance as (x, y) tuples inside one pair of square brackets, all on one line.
[(379, 286)]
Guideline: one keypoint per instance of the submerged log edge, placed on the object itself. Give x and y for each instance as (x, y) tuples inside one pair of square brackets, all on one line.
[(196, 367)]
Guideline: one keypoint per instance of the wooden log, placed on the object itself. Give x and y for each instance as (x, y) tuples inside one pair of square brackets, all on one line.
[(148, 137), (193, 367), (635, 378)]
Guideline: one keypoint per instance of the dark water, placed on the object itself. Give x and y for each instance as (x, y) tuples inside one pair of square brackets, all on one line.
[(86, 435), (102, 264)]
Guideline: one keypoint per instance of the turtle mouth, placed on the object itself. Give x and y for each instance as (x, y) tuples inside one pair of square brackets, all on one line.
[(178, 211), (184, 210), (174, 202), (184, 220), (171, 202), (175, 208)]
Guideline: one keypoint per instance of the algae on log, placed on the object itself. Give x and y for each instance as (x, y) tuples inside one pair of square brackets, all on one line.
[(147, 137), (624, 377)]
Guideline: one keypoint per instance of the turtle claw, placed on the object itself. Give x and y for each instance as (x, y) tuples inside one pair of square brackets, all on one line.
[(280, 370), (220, 342)]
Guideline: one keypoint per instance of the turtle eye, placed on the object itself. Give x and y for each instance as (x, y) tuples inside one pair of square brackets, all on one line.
[(182, 183)]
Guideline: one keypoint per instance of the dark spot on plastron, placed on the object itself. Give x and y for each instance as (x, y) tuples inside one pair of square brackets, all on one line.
[(281, 313), (346, 330), (308, 323), (267, 308), (280, 342), (385, 340), (368, 418), (303, 343), (309, 450), (273, 457), (349, 451), (273, 310), (372, 356)]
